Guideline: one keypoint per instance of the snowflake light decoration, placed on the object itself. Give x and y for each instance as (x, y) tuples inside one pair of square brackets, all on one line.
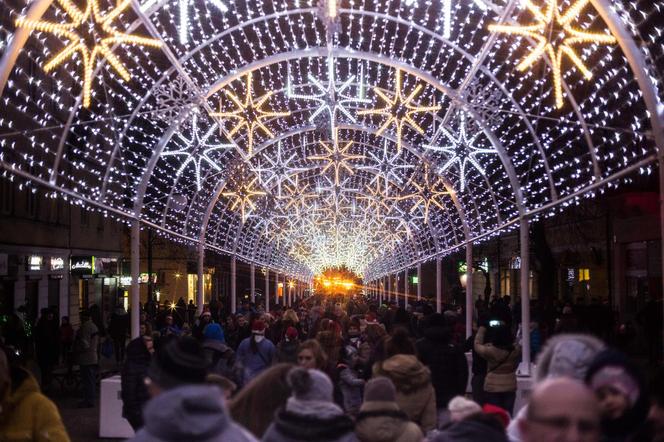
[(281, 171), (556, 37), (337, 158), (332, 99), (426, 193), (242, 197), (399, 109), (171, 97), (386, 167), (461, 151), (89, 24), (249, 113), (296, 197), (196, 147)]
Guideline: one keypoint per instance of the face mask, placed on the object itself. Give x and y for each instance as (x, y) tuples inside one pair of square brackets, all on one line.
[(259, 338)]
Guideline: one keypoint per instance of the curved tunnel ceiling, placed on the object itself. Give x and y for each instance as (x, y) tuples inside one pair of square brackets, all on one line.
[(301, 135)]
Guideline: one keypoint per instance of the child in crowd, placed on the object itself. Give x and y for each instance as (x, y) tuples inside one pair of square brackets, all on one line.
[(350, 382)]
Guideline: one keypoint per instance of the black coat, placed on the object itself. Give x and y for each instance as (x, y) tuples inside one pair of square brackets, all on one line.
[(134, 391), (448, 364)]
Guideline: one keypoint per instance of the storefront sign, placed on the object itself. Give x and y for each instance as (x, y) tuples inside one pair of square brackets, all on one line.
[(82, 265), (34, 263), (143, 278), (105, 266), (4, 264), (57, 263), (125, 281)]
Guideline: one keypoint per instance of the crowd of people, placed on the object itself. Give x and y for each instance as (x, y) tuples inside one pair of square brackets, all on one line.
[(345, 369)]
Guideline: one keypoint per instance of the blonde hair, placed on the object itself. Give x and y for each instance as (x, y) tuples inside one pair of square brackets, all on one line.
[(290, 315)]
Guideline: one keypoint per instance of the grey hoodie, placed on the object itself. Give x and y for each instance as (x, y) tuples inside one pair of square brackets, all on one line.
[(193, 413)]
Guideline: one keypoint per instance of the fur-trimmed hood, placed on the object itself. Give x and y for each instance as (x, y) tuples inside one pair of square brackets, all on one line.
[(406, 371)]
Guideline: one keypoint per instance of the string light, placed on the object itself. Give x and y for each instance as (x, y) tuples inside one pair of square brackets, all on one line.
[(281, 170), (461, 151), (399, 110), (336, 157), (75, 32), (242, 197), (555, 43), (197, 147), (426, 193), (249, 113)]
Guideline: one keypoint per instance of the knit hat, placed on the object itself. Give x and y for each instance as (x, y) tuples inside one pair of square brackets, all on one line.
[(380, 389), (214, 332), (258, 327), (310, 385), (498, 412), (206, 313), (460, 408), (291, 333), (618, 378), (180, 361)]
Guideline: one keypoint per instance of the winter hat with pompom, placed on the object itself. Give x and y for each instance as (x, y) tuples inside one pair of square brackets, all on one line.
[(310, 385)]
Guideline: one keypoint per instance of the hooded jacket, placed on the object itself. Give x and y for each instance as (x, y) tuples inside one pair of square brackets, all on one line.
[(470, 430), (415, 394), (626, 427), (501, 364), (383, 422), (447, 363), (324, 423), (27, 415), (192, 413)]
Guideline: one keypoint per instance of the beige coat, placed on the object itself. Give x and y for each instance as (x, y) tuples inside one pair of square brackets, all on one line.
[(380, 422), (415, 394), (501, 365)]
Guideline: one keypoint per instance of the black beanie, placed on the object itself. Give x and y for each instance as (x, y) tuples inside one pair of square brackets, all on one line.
[(180, 361)]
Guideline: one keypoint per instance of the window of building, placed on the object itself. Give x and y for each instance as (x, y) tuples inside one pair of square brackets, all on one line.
[(85, 217), (584, 275), (32, 203), (505, 286)]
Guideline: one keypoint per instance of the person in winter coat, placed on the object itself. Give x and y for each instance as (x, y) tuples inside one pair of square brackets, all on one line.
[(310, 414), (477, 427), (134, 393), (255, 405), (502, 358), (415, 394), (620, 391), (380, 419), (86, 343), (118, 328), (447, 363), (25, 413), (564, 355), (46, 345), (183, 407), (220, 357), (287, 347), (254, 354), (66, 340), (201, 323), (350, 382)]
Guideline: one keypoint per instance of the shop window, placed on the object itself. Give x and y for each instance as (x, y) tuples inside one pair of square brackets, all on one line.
[(505, 282), (584, 275)]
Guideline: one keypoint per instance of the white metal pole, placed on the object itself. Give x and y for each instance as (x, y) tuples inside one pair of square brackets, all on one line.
[(389, 287), (200, 300), (252, 281), (439, 285), (233, 284), (419, 281), (135, 294), (276, 288), (267, 290), (405, 288), (524, 234), (469, 289)]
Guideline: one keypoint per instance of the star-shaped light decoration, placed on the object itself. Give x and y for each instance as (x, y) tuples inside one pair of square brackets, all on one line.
[(332, 99), (386, 167), (281, 171), (462, 151), (337, 158), (242, 197), (556, 37), (427, 192), (376, 199), (195, 145), (399, 109), (91, 34), (249, 113), (296, 197)]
